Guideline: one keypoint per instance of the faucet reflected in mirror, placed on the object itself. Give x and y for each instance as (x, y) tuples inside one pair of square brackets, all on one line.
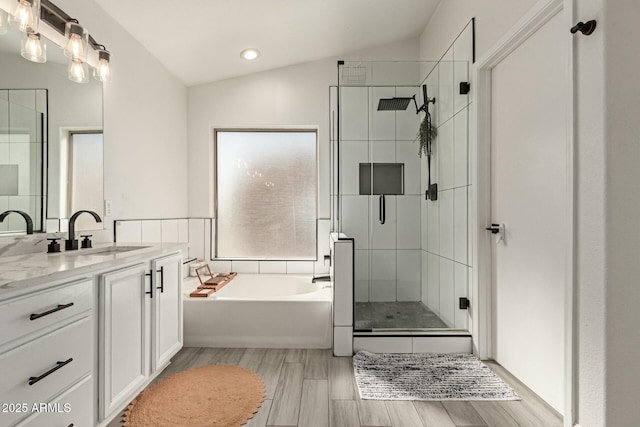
[(25, 215), (71, 244)]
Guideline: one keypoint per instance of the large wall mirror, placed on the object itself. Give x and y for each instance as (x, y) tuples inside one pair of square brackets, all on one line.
[(51, 146)]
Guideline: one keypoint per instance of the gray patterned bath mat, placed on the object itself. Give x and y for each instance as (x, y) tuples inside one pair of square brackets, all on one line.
[(427, 376)]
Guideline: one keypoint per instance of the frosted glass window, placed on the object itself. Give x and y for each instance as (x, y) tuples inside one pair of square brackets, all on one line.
[(266, 184), (8, 180), (85, 183)]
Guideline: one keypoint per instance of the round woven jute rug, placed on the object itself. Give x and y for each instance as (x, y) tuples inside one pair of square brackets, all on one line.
[(215, 395)]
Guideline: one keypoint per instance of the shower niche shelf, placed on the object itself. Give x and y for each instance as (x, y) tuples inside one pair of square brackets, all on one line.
[(387, 179)]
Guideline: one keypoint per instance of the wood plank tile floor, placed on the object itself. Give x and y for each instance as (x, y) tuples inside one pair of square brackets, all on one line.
[(311, 388)]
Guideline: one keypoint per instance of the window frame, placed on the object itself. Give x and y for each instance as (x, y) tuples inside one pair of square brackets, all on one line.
[(276, 129)]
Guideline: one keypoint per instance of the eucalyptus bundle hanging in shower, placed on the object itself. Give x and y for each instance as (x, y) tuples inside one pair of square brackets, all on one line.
[(426, 134)]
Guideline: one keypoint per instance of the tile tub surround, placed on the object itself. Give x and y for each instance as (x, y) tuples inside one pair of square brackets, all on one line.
[(24, 273), (200, 234)]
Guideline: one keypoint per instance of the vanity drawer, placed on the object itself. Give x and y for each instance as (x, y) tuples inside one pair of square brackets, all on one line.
[(74, 407), (24, 315), (51, 364)]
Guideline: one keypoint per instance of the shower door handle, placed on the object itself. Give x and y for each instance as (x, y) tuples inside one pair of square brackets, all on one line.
[(383, 208)]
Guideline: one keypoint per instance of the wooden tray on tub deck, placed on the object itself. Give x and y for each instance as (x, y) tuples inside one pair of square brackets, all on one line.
[(210, 282)]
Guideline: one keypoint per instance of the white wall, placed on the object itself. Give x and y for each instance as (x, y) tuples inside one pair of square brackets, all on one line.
[(591, 233), (493, 19), (607, 199), (145, 125), (295, 95), (621, 146)]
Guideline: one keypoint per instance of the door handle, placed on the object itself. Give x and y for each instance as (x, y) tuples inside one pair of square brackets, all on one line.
[(494, 229), (383, 209), (161, 287), (48, 312), (498, 229), (33, 380), (150, 274)]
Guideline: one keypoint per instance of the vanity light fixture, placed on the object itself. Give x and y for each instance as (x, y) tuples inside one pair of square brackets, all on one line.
[(27, 15), (78, 71), (3, 22), (77, 41), (33, 49), (249, 54), (102, 72)]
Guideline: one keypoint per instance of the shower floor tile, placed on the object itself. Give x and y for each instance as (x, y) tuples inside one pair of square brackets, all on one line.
[(396, 315)]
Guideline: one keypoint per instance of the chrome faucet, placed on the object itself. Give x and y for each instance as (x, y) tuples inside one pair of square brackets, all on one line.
[(25, 215), (71, 244)]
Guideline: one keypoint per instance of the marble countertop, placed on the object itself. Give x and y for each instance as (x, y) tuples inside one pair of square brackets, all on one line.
[(23, 273)]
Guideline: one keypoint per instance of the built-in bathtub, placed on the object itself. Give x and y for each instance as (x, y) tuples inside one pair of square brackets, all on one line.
[(260, 310)]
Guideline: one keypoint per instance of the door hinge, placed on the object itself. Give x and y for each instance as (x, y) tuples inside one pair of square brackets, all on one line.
[(464, 303)]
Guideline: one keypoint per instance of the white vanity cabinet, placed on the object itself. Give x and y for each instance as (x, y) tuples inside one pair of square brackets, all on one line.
[(167, 310), (83, 334), (47, 350), (124, 327), (72, 408), (140, 328)]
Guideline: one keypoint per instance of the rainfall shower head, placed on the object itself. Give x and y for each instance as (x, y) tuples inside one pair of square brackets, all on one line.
[(393, 104)]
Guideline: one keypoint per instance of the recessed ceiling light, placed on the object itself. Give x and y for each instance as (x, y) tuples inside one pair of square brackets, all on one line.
[(249, 54)]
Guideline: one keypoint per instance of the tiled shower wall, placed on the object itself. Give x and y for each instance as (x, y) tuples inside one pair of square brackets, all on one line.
[(387, 257), (199, 233), (446, 257), (21, 151)]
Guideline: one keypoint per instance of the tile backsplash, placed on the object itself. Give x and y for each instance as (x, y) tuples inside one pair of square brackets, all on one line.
[(199, 234)]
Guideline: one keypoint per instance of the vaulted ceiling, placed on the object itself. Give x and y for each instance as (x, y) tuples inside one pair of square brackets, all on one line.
[(200, 40)]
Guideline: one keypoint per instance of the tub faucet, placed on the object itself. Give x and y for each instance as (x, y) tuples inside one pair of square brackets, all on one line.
[(71, 244), (25, 215), (321, 279)]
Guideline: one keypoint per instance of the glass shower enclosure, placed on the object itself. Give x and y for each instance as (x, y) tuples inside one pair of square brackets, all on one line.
[(412, 263)]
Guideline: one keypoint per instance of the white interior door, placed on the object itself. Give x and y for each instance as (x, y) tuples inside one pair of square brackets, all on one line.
[(529, 172)]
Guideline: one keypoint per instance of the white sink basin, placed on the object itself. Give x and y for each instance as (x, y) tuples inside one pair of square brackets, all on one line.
[(109, 250)]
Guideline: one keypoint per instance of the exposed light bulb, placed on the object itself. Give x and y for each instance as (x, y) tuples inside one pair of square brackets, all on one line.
[(74, 46), (3, 22), (249, 54), (78, 72), (102, 72), (27, 15), (33, 49), (77, 41)]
